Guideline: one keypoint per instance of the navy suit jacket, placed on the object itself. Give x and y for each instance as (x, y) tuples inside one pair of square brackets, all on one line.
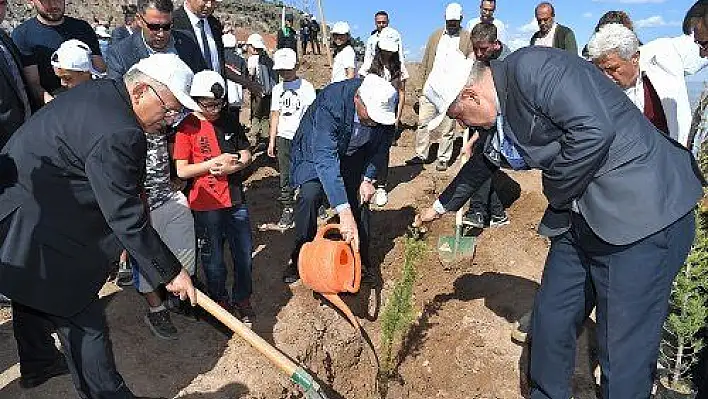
[(12, 111), (594, 147), (323, 137), (72, 201), (126, 53)]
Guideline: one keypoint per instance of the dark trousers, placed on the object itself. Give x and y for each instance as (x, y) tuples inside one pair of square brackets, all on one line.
[(304, 39), (287, 192), (629, 285), (315, 42), (87, 347), (485, 200), (213, 228), (312, 195)]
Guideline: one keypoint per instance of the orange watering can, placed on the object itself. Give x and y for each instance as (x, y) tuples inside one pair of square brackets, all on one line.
[(331, 267)]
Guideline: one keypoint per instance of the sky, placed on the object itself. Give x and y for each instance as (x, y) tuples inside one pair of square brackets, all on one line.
[(417, 19)]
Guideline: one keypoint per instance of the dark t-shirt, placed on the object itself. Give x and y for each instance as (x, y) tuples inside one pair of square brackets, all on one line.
[(37, 42)]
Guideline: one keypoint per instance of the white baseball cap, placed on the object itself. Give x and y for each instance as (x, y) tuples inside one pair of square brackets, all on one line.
[(74, 55), (444, 85), (340, 28), (453, 12), (285, 58), (102, 31), (172, 72), (229, 40), (256, 41), (389, 40), (379, 97), (208, 84)]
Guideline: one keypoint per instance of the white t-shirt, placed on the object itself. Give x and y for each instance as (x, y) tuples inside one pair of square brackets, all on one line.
[(252, 64), (501, 28), (291, 99), (345, 59), (547, 41), (371, 44)]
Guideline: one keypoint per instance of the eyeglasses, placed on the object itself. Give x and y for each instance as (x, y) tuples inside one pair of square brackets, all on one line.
[(703, 44), (213, 106), (172, 116), (157, 27)]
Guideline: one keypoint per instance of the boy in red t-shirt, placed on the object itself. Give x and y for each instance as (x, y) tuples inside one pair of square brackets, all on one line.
[(211, 149)]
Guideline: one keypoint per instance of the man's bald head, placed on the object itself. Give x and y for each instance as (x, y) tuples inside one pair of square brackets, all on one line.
[(545, 17)]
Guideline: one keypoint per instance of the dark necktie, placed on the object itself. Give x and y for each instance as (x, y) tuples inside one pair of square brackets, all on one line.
[(206, 51)]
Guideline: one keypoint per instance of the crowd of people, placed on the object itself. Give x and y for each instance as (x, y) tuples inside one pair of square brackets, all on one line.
[(125, 148)]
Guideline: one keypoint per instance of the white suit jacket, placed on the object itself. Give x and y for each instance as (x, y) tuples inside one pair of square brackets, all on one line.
[(666, 62)]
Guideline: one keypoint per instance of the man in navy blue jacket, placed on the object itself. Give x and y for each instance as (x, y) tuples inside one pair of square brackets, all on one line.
[(620, 207), (339, 147)]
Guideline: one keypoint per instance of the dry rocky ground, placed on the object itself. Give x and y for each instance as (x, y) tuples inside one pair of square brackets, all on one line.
[(459, 346)]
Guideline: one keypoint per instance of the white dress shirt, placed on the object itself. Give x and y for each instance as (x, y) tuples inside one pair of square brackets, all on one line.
[(194, 20)]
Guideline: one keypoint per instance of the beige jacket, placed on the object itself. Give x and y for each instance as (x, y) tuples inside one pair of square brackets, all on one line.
[(426, 66)]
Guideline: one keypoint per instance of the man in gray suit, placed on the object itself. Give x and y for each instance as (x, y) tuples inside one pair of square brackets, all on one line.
[(620, 196), (156, 35)]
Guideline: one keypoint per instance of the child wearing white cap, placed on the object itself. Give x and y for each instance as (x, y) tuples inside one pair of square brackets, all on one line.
[(290, 100), (344, 63), (260, 69), (72, 63), (387, 63), (211, 148)]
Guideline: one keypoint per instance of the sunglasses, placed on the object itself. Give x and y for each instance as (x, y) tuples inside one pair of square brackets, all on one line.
[(157, 27)]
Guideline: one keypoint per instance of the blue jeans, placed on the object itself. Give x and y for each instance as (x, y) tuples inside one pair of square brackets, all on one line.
[(213, 228)]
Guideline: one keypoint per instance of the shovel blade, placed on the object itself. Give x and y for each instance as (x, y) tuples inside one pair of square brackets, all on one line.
[(452, 248)]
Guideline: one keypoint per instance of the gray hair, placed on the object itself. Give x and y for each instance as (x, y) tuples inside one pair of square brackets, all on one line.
[(613, 38), (479, 68)]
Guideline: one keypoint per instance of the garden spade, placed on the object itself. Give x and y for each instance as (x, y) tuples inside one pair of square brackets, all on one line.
[(297, 374), (451, 248)]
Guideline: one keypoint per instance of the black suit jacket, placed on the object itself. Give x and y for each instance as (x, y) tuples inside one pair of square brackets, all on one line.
[(181, 22), (12, 110), (594, 146), (126, 53), (74, 201)]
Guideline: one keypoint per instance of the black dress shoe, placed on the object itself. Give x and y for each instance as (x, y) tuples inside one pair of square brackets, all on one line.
[(416, 160), (34, 380)]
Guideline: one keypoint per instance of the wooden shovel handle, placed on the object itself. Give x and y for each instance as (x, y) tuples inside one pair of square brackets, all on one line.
[(235, 325)]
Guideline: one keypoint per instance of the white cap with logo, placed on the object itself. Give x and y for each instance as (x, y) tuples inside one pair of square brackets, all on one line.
[(229, 40), (102, 32), (453, 12), (285, 58), (444, 85), (256, 41), (208, 84), (74, 55), (379, 97), (172, 72), (389, 40), (340, 28)]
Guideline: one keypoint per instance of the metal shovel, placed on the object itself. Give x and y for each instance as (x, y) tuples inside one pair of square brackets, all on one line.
[(297, 374), (451, 248)]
